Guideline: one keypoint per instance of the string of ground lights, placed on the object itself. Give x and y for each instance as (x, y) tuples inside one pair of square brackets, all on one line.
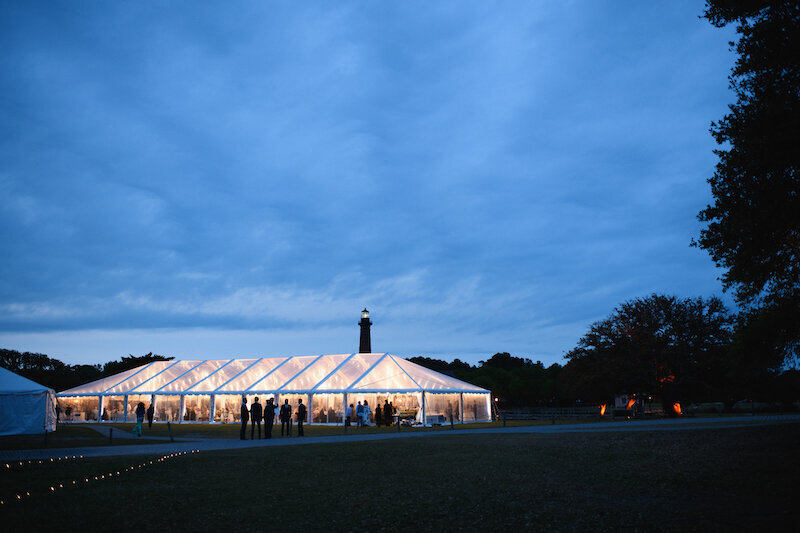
[(83, 480)]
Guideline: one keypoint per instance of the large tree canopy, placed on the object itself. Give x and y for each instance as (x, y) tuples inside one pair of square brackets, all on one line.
[(753, 225), (655, 345)]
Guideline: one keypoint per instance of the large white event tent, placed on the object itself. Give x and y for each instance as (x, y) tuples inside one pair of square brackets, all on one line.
[(25, 406), (212, 390)]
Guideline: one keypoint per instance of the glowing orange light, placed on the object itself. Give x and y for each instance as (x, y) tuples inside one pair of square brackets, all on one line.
[(677, 408), (602, 409), (630, 403)]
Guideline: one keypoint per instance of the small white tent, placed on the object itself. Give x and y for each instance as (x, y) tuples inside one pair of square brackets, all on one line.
[(25, 406)]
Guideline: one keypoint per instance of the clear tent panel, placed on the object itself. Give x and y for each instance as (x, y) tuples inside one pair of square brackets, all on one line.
[(283, 373), (140, 377), (101, 385), (166, 376), (476, 407), (168, 407), (113, 409), (254, 374), (386, 375), (431, 380), (328, 408), (227, 408), (133, 402), (315, 373), (192, 378), (347, 374), (196, 407), (440, 407), (79, 408), (222, 376)]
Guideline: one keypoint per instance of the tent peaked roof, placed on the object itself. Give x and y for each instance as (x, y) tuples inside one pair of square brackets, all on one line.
[(11, 383), (318, 374)]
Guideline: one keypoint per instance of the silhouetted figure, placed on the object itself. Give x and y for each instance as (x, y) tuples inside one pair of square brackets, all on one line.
[(366, 414), (68, 413), (269, 418), (301, 417), (286, 418), (255, 416), (104, 416), (378, 415), (245, 419), (151, 411), (348, 415), (387, 413), (137, 429), (359, 415)]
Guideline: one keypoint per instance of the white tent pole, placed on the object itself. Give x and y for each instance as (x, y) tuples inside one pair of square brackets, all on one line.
[(461, 407), (181, 409), (99, 409), (424, 420), (212, 408)]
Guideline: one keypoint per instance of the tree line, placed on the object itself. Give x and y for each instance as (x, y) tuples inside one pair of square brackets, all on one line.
[(60, 376)]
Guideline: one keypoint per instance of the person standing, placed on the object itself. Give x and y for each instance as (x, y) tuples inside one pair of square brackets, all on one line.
[(366, 414), (137, 429), (348, 414), (150, 412), (378, 415), (255, 416), (301, 417), (286, 418), (269, 418), (245, 418), (359, 415), (387, 413)]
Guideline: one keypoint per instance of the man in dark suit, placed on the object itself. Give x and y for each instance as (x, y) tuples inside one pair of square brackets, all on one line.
[(255, 416), (245, 418), (301, 417), (269, 418), (286, 418)]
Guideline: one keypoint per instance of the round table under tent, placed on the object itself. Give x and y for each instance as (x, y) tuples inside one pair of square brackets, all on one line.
[(211, 390)]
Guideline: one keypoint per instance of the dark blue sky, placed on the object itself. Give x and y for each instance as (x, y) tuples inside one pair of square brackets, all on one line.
[(217, 180)]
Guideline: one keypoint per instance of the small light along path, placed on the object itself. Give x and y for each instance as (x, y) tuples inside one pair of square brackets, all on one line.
[(188, 445), (23, 494)]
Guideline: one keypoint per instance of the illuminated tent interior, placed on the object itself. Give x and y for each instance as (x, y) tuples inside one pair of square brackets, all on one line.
[(212, 390)]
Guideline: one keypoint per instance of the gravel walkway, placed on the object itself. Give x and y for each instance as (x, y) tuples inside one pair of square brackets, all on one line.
[(236, 444)]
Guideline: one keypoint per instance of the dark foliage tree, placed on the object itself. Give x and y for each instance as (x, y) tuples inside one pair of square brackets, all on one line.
[(517, 381), (132, 361), (59, 376), (753, 225), (657, 345)]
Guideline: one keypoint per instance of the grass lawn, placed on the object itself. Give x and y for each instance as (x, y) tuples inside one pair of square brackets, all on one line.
[(67, 436), (702, 480)]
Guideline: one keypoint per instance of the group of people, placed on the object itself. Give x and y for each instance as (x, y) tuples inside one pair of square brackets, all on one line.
[(255, 414), (363, 412)]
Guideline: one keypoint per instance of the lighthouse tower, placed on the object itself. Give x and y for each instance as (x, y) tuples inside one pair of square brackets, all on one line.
[(365, 346)]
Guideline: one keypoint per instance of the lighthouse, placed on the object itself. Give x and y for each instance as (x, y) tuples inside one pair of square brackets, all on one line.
[(365, 346)]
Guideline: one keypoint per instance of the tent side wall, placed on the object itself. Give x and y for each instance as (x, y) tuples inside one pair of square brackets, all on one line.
[(27, 414)]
